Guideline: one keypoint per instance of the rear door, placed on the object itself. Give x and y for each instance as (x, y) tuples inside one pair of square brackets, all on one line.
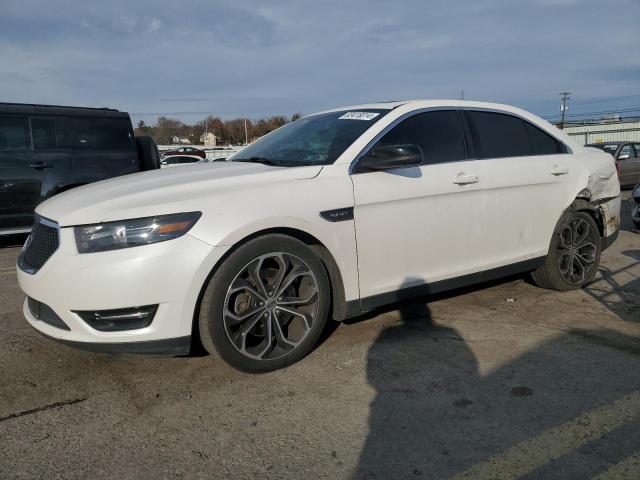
[(626, 158), (19, 191), (423, 224), (528, 177)]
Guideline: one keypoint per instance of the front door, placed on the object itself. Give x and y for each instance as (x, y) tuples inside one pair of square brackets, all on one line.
[(627, 165), (49, 158), (418, 225), (19, 191)]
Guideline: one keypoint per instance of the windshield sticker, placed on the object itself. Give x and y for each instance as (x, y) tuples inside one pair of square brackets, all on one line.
[(358, 116)]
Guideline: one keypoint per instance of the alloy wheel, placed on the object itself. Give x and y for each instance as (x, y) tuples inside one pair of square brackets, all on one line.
[(271, 306), (577, 250)]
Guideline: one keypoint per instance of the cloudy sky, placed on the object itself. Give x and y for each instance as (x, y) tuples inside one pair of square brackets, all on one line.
[(253, 58)]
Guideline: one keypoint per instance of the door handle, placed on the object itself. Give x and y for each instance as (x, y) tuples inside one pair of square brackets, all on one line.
[(558, 170), (463, 179), (40, 165)]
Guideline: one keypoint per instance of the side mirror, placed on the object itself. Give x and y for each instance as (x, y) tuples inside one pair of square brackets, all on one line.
[(387, 158), (624, 156)]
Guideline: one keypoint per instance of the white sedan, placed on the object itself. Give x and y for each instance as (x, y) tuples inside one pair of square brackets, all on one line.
[(328, 217)]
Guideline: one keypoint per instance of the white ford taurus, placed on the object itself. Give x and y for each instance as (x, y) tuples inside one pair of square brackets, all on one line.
[(327, 217)]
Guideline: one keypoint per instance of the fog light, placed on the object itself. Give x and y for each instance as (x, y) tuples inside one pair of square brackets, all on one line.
[(119, 319)]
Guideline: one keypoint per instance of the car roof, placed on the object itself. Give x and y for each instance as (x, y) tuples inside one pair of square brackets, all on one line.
[(426, 103), (37, 109)]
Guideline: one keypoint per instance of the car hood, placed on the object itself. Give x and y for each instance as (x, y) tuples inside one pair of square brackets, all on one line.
[(163, 191)]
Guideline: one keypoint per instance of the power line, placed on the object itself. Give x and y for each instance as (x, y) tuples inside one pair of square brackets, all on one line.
[(601, 112)]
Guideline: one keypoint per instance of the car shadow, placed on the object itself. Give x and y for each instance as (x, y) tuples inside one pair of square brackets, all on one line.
[(619, 289), (568, 408)]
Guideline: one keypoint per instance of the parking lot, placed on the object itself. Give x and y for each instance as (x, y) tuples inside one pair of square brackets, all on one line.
[(500, 380)]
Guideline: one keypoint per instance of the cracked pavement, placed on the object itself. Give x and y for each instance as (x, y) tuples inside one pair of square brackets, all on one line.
[(501, 380)]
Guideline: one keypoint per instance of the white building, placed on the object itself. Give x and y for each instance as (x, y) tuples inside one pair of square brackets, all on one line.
[(605, 132), (180, 141), (208, 139)]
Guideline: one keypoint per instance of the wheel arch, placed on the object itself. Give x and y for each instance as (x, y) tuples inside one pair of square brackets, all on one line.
[(338, 307), (583, 203)]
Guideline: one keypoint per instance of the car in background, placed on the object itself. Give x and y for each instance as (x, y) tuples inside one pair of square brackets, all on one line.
[(327, 217), (635, 213), (627, 156), (180, 160), (185, 151), (46, 149)]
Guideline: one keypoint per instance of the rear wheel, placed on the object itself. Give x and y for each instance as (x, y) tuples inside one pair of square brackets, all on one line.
[(574, 254), (266, 306)]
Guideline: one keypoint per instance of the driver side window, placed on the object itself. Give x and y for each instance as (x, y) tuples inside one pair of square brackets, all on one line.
[(438, 134), (627, 150)]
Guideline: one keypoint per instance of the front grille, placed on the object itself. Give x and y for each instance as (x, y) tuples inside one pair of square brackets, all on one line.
[(40, 245), (45, 313)]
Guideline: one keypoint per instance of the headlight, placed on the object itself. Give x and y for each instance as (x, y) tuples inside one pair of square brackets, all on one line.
[(131, 233)]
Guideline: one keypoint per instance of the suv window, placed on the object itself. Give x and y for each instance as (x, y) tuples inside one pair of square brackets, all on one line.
[(500, 135), (14, 133), (90, 133), (438, 134), (43, 133), (637, 148)]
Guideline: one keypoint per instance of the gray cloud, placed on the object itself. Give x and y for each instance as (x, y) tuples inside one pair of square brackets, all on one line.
[(196, 57)]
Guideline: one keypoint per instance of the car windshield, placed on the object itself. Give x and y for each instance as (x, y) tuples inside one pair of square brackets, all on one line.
[(607, 148), (314, 140)]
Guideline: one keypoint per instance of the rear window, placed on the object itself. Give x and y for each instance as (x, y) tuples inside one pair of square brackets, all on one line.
[(610, 149), (90, 133), (14, 133)]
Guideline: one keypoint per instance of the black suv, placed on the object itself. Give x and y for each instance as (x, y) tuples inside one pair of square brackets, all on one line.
[(47, 149)]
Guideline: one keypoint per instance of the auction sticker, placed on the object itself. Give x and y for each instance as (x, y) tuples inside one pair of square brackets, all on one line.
[(358, 116)]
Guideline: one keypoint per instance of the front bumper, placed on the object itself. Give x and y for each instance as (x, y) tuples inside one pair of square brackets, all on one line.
[(610, 211), (170, 274)]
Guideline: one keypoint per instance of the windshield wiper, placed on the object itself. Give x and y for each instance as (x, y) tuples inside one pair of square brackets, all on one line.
[(263, 160)]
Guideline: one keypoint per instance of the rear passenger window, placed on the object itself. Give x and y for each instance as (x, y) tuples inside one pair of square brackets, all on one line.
[(90, 133), (438, 133), (43, 132), (14, 133), (500, 135), (543, 143)]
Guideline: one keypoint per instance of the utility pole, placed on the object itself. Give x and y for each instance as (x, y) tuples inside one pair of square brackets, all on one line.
[(246, 135), (461, 94), (563, 108)]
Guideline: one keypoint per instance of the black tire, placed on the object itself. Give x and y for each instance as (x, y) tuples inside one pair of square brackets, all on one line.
[(214, 315), (148, 154), (637, 224), (550, 274)]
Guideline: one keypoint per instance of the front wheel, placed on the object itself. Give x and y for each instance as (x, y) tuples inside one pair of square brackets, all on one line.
[(266, 306), (574, 254)]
